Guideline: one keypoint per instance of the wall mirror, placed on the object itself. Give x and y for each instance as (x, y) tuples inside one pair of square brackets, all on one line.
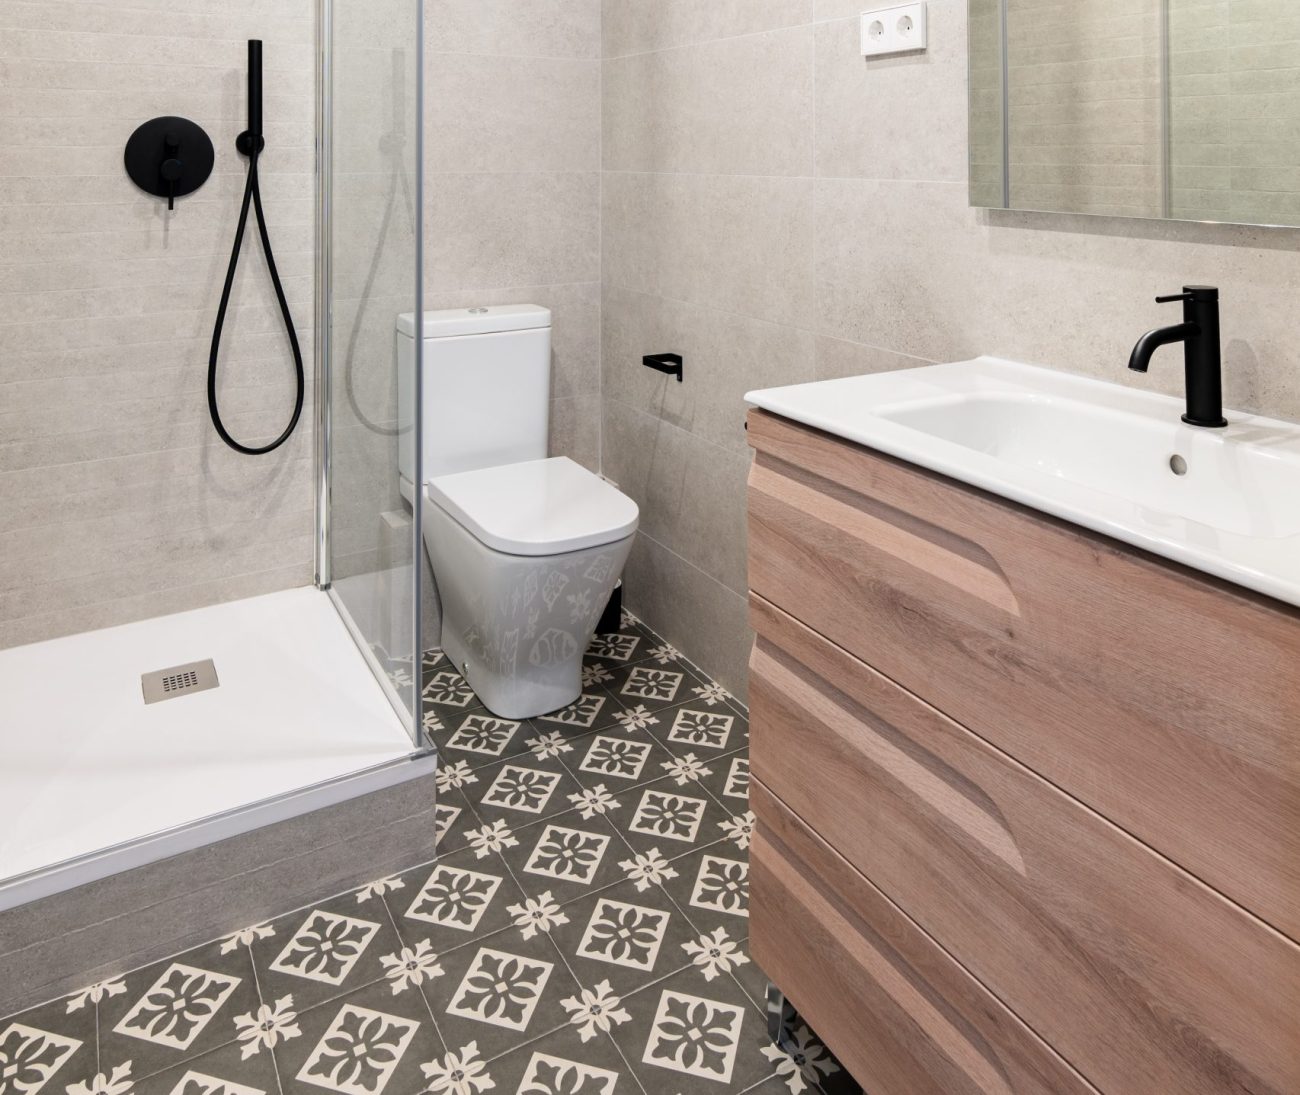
[(1175, 109)]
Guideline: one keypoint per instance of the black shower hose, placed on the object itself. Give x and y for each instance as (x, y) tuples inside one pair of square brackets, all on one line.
[(253, 196)]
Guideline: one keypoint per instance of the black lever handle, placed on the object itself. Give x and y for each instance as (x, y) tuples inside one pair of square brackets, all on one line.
[(665, 363), (1176, 298)]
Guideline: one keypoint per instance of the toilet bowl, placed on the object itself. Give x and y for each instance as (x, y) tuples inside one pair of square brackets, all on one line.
[(526, 550), (526, 557)]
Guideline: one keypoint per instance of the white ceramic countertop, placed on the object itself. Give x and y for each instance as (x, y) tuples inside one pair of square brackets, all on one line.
[(1100, 455)]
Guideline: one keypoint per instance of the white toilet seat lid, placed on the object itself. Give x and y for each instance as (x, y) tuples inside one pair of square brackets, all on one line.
[(540, 507)]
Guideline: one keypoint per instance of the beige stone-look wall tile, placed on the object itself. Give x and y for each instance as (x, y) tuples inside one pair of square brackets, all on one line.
[(741, 106), (510, 114), (893, 117), (639, 26), (734, 243), (484, 231), (513, 181), (117, 500), (727, 355), (717, 244), (691, 493), (695, 612), (514, 28)]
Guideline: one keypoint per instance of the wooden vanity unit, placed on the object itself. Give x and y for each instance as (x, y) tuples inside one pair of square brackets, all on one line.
[(1028, 798)]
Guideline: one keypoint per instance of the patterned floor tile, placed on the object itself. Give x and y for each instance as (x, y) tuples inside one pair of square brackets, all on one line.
[(501, 992), (177, 1009), (624, 934), (580, 928), (686, 1034), (225, 1071), (518, 791), (317, 954), (50, 1047), (454, 901), (370, 1042), (569, 856), (562, 1063)]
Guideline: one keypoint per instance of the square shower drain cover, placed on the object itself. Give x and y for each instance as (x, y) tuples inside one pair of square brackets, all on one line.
[(179, 680)]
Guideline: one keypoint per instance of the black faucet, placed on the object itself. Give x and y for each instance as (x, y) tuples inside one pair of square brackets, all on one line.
[(1199, 334)]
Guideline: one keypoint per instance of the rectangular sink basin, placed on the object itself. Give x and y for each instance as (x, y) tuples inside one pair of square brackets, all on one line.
[(1114, 459)]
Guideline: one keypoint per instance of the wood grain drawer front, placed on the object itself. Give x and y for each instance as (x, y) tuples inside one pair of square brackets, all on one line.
[(903, 1017), (1168, 702), (1142, 977)]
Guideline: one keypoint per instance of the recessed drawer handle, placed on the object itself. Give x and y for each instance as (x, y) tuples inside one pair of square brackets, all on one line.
[(963, 572)]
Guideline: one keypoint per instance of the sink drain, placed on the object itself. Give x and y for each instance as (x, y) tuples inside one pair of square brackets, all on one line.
[(1177, 465)]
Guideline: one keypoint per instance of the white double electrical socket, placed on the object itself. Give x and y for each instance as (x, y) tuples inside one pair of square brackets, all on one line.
[(899, 29)]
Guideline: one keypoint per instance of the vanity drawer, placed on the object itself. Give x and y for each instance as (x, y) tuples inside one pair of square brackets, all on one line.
[(1167, 701), (901, 1015), (1142, 977)]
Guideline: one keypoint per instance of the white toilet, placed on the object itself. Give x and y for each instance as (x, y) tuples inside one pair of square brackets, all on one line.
[(526, 551)]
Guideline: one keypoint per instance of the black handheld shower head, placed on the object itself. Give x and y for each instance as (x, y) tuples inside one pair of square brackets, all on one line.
[(251, 140)]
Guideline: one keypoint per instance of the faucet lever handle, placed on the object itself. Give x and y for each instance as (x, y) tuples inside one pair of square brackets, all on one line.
[(1177, 298)]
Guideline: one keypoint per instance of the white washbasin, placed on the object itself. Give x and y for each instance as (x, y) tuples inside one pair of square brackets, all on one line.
[(1113, 459)]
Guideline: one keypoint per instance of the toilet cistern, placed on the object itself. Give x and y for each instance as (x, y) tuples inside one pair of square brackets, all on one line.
[(1203, 361)]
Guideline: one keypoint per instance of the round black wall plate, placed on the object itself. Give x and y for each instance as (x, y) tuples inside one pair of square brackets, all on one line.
[(169, 157)]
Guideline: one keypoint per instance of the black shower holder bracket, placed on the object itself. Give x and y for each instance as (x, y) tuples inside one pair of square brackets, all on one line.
[(169, 157)]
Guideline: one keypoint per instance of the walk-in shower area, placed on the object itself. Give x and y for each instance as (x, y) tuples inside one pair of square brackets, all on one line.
[(208, 591)]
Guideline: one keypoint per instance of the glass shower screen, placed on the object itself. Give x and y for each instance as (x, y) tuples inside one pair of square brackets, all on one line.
[(370, 273)]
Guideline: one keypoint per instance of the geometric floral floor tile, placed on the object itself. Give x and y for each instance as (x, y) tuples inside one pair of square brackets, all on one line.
[(547, 1075), (737, 785), (523, 789), (501, 988), (223, 1071), (359, 1051), (651, 685), (570, 855), (454, 897), (483, 734), (368, 1042), (30, 1057), (690, 1035), (666, 815), (695, 1035), (616, 757), (326, 947), (702, 729), (722, 885), (578, 926), (176, 1008), (501, 992)]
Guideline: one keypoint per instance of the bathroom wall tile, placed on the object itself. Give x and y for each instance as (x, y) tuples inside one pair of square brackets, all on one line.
[(739, 106), (944, 282), (691, 493), (726, 356), (877, 263), (485, 113), (514, 28), (837, 358), (735, 243), (109, 468), (484, 231), (893, 117), (693, 611), (575, 429), (638, 26)]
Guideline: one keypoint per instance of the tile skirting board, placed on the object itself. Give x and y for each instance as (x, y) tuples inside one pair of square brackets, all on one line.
[(60, 943)]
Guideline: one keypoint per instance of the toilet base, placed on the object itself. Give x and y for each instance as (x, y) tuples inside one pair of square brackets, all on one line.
[(518, 626)]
